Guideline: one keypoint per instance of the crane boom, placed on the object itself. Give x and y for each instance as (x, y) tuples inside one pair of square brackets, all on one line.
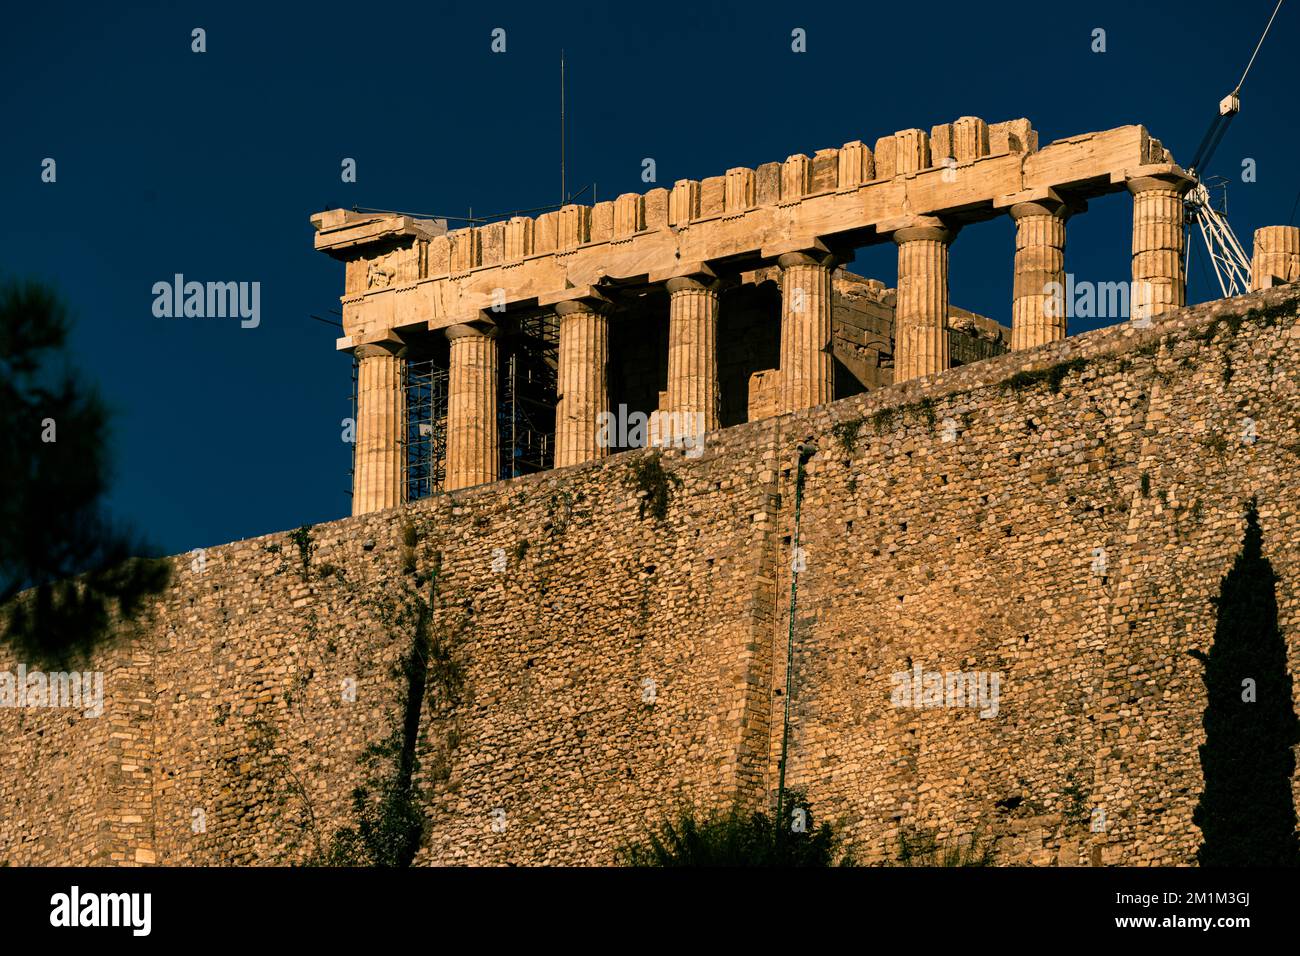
[(1227, 256)]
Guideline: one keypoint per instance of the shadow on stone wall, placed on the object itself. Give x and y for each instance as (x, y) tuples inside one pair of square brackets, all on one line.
[(1246, 812)]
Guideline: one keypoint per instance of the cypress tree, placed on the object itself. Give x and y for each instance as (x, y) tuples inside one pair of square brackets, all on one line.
[(1246, 812)]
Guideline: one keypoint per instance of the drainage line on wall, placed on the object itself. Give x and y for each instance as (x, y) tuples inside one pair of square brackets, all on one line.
[(806, 450)]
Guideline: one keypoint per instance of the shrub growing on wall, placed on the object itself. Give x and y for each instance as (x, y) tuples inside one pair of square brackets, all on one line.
[(736, 837)]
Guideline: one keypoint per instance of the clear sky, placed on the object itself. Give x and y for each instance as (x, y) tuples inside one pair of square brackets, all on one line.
[(170, 161)]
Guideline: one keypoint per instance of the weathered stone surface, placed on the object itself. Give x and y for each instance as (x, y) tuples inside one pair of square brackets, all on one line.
[(378, 464), (796, 204), (807, 372), (1277, 257), (1159, 282), (953, 522), (920, 326), (583, 382), (471, 408), (740, 190), (1038, 309), (629, 215), (692, 356)]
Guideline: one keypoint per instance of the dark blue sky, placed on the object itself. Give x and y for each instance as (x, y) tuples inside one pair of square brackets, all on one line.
[(210, 165)]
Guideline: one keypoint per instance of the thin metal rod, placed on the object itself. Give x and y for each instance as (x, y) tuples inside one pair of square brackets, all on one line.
[(563, 194), (352, 402), (1258, 45), (413, 215)]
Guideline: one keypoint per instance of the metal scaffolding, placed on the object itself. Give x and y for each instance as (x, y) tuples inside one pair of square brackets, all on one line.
[(525, 409), (352, 456), (424, 385), (526, 403)]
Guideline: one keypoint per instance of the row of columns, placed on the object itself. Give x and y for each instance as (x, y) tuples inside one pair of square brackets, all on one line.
[(583, 390), (471, 458), (1039, 311), (807, 366)]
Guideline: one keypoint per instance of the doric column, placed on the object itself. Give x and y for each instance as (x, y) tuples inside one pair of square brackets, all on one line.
[(692, 357), (807, 369), (921, 314), (1276, 258), (472, 454), (1159, 283), (583, 381), (1038, 307), (378, 470)]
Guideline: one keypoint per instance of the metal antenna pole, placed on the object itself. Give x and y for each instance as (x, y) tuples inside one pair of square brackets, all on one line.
[(563, 194)]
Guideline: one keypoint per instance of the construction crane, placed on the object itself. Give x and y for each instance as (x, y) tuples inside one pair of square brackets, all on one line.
[(1227, 256)]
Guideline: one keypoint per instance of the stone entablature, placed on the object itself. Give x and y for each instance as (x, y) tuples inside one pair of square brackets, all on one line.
[(407, 277), (838, 199)]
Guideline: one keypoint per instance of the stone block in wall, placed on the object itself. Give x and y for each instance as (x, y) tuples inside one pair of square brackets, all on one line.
[(493, 239), (1153, 151), (740, 190), (1276, 258), (629, 215), (886, 158), (602, 221), (712, 194), (912, 150), (825, 170), (407, 262), (683, 202), (764, 394), (767, 184), (970, 139), (439, 255), (1068, 855), (466, 250), (941, 143), (856, 165), (1012, 136), (656, 208), (796, 177), (575, 226), (354, 276), (546, 234), (520, 232)]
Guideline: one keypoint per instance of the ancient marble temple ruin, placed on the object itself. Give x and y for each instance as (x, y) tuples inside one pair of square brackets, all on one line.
[(722, 300)]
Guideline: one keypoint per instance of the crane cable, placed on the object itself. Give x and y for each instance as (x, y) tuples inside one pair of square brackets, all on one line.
[(1257, 46), (1197, 203), (1214, 135)]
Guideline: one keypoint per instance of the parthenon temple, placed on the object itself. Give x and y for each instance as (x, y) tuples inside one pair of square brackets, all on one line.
[(485, 352)]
